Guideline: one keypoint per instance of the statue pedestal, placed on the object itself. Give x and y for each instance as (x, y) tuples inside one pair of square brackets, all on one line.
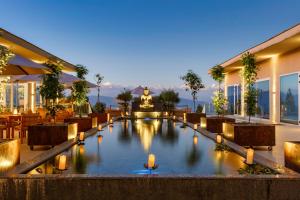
[(147, 114)]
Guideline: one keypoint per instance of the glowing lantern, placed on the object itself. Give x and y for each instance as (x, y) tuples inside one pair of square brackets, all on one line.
[(100, 139), (219, 139), (62, 162), (184, 117), (108, 117), (250, 156), (174, 117), (195, 139), (111, 121), (99, 127), (81, 136), (195, 126), (15, 112), (151, 161)]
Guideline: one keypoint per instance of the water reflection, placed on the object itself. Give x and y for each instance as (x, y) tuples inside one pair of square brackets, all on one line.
[(194, 155), (146, 130), (126, 148), (79, 160)]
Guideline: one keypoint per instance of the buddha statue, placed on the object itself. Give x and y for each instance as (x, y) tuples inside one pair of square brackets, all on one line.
[(146, 99)]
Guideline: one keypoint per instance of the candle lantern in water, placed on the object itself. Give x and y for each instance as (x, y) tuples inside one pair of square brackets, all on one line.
[(195, 139), (250, 156), (62, 163), (219, 139), (151, 161), (100, 137)]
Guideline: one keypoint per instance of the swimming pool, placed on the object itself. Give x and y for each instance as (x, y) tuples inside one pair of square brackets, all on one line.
[(124, 148)]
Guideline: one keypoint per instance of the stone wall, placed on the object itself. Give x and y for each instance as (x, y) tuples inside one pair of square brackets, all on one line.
[(142, 187)]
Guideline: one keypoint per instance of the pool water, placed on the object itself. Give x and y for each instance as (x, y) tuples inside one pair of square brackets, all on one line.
[(124, 148)]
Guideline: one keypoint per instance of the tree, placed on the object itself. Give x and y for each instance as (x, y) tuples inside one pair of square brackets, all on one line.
[(250, 75), (51, 89), (5, 56), (99, 80), (193, 83), (80, 88), (124, 99), (169, 99), (219, 100)]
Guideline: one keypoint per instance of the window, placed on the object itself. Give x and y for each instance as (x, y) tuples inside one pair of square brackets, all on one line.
[(289, 98), (263, 99)]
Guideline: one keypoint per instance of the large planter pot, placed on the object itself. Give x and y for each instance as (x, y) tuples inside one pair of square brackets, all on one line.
[(194, 118), (84, 123), (215, 124), (51, 134), (292, 155), (250, 134), (101, 117)]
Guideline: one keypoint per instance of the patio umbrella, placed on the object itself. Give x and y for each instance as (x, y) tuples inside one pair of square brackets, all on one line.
[(19, 65), (139, 91), (66, 79)]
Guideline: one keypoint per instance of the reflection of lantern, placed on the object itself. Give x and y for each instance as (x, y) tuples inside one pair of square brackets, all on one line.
[(110, 129), (195, 126), (108, 117), (126, 113), (81, 149), (219, 139), (62, 162), (81, 136), (100, 139), (151, 161), (99, 127), (249, 157), (195, 139)]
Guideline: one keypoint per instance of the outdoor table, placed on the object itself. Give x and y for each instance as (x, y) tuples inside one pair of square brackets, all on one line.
[(51, 133)]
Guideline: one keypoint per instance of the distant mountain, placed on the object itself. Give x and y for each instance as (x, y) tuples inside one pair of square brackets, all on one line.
[(111, 101)]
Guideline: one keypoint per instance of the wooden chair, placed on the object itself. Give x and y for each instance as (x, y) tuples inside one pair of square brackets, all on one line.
[(15, 124), (3, 127)]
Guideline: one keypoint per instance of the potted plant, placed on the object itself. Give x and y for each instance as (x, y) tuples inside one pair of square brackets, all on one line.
[(51, 89), (214, 123), (250, 134), (193, 83), (124, 99), (79, 97), (169, 99)]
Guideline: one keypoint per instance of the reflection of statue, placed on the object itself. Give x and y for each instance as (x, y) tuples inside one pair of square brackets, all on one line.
[(146, 99)]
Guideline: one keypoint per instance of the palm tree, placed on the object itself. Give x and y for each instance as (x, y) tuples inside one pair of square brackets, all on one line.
[(98, 79), (193, 83)]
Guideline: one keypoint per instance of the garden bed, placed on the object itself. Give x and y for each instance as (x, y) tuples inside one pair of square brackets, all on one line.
[(215, 124), (194, 118)]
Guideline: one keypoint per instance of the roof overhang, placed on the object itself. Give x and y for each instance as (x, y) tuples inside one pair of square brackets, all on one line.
[(284, 42), (24, 48)]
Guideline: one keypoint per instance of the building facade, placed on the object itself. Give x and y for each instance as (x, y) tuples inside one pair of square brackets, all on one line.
[(24, 96), (278, 81)]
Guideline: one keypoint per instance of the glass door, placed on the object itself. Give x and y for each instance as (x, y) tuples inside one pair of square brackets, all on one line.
[(234, 99)]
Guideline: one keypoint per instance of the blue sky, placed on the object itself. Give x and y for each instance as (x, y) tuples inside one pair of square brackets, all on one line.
[(147, 42)]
